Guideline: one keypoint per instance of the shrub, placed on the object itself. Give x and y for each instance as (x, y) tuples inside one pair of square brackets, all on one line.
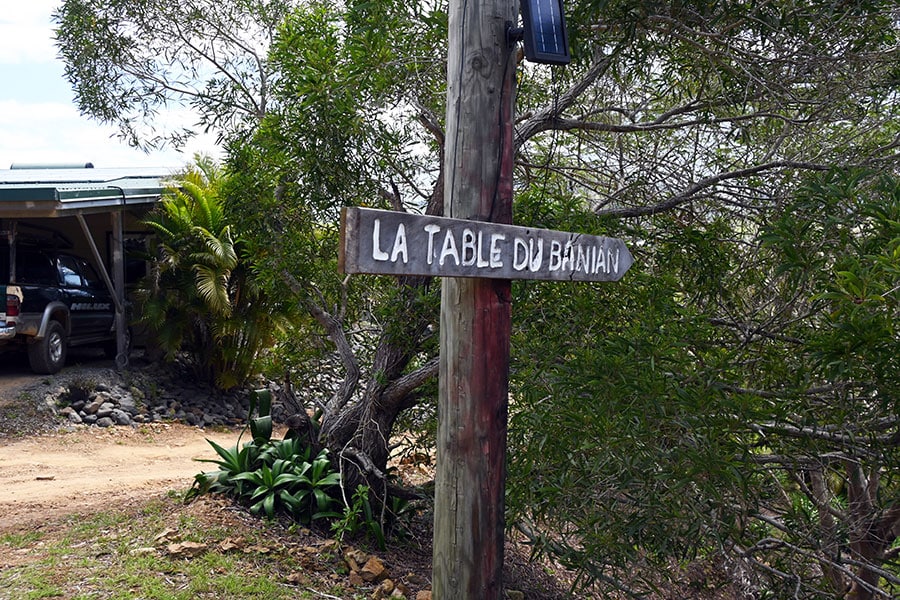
[(271, 476)]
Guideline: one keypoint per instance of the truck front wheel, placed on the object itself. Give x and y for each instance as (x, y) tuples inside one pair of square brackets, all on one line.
[(48, 354)]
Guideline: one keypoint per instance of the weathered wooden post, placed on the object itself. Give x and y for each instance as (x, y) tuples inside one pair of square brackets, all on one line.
[(475, 313)]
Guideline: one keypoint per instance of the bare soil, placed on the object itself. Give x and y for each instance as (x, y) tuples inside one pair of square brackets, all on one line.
[(49, 470), (74, 472)]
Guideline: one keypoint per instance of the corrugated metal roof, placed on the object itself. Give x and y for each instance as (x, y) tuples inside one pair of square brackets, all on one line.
[(60, 192)]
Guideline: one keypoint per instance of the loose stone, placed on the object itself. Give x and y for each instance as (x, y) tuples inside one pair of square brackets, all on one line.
[(120, 417)]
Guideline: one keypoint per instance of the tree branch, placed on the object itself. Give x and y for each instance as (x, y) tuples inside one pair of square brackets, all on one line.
[(818, 433), (543, 119), (430, 121), (561, 551), (403, 386), (703, 184), (335, 330)]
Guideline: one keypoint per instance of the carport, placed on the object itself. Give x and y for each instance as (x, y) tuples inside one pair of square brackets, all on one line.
[(93, 210)]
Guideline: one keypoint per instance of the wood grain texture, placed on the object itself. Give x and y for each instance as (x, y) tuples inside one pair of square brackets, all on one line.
[(475, 313)]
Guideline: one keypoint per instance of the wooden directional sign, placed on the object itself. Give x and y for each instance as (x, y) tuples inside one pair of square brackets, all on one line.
[(396, 243)]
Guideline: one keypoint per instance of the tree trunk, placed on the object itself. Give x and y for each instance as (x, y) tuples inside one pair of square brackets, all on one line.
[(871, 541), (871, 531), (828, 527), (357, 430)]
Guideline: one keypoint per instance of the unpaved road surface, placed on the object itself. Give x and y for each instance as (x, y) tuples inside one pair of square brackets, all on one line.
[(87, 469)]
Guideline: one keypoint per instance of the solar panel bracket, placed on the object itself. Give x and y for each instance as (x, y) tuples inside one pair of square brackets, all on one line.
[(514, 35)]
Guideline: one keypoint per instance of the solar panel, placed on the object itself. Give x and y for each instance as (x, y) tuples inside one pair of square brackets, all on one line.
[(545, 32)]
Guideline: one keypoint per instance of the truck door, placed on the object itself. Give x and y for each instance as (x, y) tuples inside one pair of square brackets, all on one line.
[(91, 309)]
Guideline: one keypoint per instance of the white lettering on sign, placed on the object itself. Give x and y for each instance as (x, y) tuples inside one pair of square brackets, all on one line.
[(525, 254), (449, 250), (472, 248), (430, 230), (376, 241), (399, 249), (496, 252)]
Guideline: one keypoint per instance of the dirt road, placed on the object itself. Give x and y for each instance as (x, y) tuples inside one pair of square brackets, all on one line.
[(47, 475), (66, 473)]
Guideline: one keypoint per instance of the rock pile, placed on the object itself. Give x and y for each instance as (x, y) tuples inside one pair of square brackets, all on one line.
[(106, 397)]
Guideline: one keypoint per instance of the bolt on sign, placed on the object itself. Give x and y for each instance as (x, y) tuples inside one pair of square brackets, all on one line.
[(396, 243)]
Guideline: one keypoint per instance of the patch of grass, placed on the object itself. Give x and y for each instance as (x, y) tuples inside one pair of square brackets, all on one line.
[(212, 575), (20, 540), (126, 554), (37, 590)]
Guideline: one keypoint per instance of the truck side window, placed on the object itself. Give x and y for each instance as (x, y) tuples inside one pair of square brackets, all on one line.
[(68, 269), (36, 268), (91, 278)]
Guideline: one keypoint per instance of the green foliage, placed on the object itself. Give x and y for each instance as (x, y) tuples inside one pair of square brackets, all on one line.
[(261, 425), (293, 485), (841, 240), (316, 479), (276, 477), (830, 442), (344, 131), (616, 437), (358, 517), (272, 476), (202, 296), (128, 59), (233, 462), (334, 139), (732, 392)]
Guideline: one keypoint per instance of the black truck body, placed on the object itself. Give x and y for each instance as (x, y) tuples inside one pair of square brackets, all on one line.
[(51, 300)]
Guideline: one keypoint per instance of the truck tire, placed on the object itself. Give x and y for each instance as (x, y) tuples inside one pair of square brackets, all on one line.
[(48, 354)]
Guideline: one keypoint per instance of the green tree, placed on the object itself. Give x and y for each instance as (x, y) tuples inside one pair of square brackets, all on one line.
[(686, 128), (129, 59), (358, 88), (835, 435), (201, 296), (769, 436), (690, 129)]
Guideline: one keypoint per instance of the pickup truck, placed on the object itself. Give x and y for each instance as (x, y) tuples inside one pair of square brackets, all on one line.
[(56, 301)]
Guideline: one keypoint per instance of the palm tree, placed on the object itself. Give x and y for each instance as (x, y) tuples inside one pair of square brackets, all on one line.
[(201, 298)]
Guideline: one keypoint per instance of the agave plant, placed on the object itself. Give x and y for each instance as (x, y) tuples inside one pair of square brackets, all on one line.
[(317, 479), (232, 463), (291, 449), (270, 485), (271, 475)]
